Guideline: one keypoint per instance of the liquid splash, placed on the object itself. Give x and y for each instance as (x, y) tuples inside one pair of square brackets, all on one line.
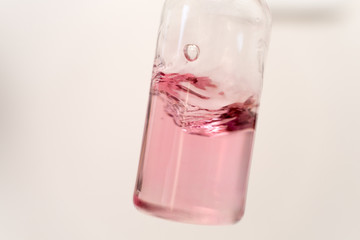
[(181, 91), (191, 52)]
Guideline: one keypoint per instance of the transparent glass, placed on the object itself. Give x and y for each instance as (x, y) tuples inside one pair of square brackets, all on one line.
[(204, 97)]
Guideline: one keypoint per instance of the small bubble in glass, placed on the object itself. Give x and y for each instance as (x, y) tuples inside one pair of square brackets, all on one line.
[(191, 52)]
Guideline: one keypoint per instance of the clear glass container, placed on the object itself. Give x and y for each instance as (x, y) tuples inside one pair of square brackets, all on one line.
[(204, 97)]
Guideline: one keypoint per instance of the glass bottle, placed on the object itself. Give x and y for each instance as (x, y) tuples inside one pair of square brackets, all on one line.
[(204, 96)]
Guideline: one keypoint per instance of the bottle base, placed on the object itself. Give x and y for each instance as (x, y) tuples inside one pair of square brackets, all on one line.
[(200, 216)]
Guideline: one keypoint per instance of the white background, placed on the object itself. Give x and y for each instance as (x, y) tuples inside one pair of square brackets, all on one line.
[(74, 81), (305, 4)]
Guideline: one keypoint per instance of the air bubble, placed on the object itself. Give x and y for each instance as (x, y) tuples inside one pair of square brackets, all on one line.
[(191, 52)]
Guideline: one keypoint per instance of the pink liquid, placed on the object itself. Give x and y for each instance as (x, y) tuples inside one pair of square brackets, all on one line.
[(194, 162)]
